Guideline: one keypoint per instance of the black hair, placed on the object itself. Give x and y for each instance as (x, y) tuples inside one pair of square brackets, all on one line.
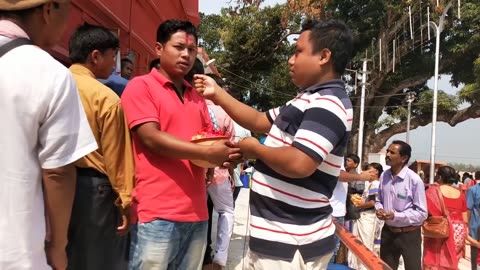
[(22, 14), (154, 63), (88, 38), (448, 174), (376, 166), (353, 157), (405, 149), (169, 27), (125, 60), (333, 35), (217, 79), (196, 69), (477, 175)]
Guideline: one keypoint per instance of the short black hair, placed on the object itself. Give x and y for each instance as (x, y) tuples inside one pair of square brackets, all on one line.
[(125, 60), (196, 69), (154, 63), (405, 149), (448, 174), (169, 27), (477, 175), (353, 157), (217, 79), (333, 35), (88, 38), (376, 166)]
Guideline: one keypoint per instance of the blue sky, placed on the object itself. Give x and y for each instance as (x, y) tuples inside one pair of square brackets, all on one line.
[(453, 144)]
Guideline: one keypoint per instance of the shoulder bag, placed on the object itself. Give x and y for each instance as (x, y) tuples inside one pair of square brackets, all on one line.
[(437, 226)]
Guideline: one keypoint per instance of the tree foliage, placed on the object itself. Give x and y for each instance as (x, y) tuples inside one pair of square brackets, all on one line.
[(250, 44)]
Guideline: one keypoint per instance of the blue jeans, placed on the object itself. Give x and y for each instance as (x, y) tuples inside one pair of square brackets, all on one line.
[(340, 220), (168, 245)]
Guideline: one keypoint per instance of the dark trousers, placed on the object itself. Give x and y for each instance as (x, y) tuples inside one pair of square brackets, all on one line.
[(405, 244), (236, 191), (207, 258), (473, 257), (92, 240)]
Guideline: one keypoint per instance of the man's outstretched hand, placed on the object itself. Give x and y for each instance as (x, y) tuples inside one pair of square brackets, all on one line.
[(206, 86), (224, 153)]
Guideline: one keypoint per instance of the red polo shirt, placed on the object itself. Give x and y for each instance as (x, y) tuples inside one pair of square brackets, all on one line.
[(166, 188)]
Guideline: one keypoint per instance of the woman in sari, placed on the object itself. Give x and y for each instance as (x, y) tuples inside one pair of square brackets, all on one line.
[(446, 253), (364, 228)]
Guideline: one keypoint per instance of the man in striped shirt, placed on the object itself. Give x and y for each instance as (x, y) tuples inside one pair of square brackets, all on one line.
[(298, 166)]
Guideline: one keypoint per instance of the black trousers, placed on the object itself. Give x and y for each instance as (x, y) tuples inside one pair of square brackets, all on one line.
[(92, 240), (405, 244), (473, 257), (207, 258)]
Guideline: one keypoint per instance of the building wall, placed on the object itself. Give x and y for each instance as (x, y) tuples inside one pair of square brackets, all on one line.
[(135, 22)]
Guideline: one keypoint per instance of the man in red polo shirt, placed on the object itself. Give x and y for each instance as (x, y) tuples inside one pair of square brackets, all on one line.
[(164, 112)]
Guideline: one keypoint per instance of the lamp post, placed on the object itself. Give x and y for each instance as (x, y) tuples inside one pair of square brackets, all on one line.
[(438, 30), (410, 99), (362, 110)]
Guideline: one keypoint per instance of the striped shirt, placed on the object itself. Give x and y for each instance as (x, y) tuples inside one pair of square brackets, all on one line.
[(295, 214)]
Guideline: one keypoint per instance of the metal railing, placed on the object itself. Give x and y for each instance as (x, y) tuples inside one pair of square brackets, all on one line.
[(364, 254)]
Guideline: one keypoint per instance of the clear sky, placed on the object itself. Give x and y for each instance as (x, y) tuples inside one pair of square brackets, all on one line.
[(453, 144)]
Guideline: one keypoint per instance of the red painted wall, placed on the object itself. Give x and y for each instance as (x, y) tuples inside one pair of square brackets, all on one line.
[(135, 21)]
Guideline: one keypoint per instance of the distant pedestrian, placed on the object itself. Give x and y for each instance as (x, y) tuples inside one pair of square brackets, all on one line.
[(473, 206), (446, 253), (366, 226), (127, 68), (402, 205)]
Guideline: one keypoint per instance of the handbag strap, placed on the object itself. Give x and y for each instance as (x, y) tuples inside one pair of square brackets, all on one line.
[(442, 202), (14, 44)]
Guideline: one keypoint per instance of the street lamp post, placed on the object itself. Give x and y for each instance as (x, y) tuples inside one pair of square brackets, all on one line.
[(438, 30), (410, 99)]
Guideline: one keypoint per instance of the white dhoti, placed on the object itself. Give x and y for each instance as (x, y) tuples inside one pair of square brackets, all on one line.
[(364, 229)]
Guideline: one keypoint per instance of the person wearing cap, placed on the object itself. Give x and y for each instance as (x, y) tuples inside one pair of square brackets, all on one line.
[(46, 132)]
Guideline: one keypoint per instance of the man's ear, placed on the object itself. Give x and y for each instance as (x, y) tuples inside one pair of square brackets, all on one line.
[(159, 49), (95, 57), (47, 12), (324, 56)]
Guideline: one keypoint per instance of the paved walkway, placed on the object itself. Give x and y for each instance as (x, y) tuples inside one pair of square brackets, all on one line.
[(238, 244)]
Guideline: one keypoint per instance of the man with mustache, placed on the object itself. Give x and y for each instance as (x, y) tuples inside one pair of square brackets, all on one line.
[(402, 204)]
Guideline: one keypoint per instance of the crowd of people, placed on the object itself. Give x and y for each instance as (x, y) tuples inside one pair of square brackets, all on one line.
[(394, 205), (97, 172)]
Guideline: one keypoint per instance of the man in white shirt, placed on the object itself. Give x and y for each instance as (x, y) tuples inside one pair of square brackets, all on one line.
[(339, 199), (45, 131)]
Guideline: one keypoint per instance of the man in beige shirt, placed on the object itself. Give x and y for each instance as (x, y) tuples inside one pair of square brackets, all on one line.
[(106, 176)]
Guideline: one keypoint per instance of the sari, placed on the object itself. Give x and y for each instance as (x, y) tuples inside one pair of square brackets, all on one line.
[(442, 253)]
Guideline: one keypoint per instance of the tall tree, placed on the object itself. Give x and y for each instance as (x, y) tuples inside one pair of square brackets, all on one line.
[(254, 44)]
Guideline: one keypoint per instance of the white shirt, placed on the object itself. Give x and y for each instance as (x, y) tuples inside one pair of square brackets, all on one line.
[(339, 199), (240, 133), (43, 126)]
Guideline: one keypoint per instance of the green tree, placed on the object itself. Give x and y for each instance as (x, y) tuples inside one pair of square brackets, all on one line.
[(252, 42), (250, 54)]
